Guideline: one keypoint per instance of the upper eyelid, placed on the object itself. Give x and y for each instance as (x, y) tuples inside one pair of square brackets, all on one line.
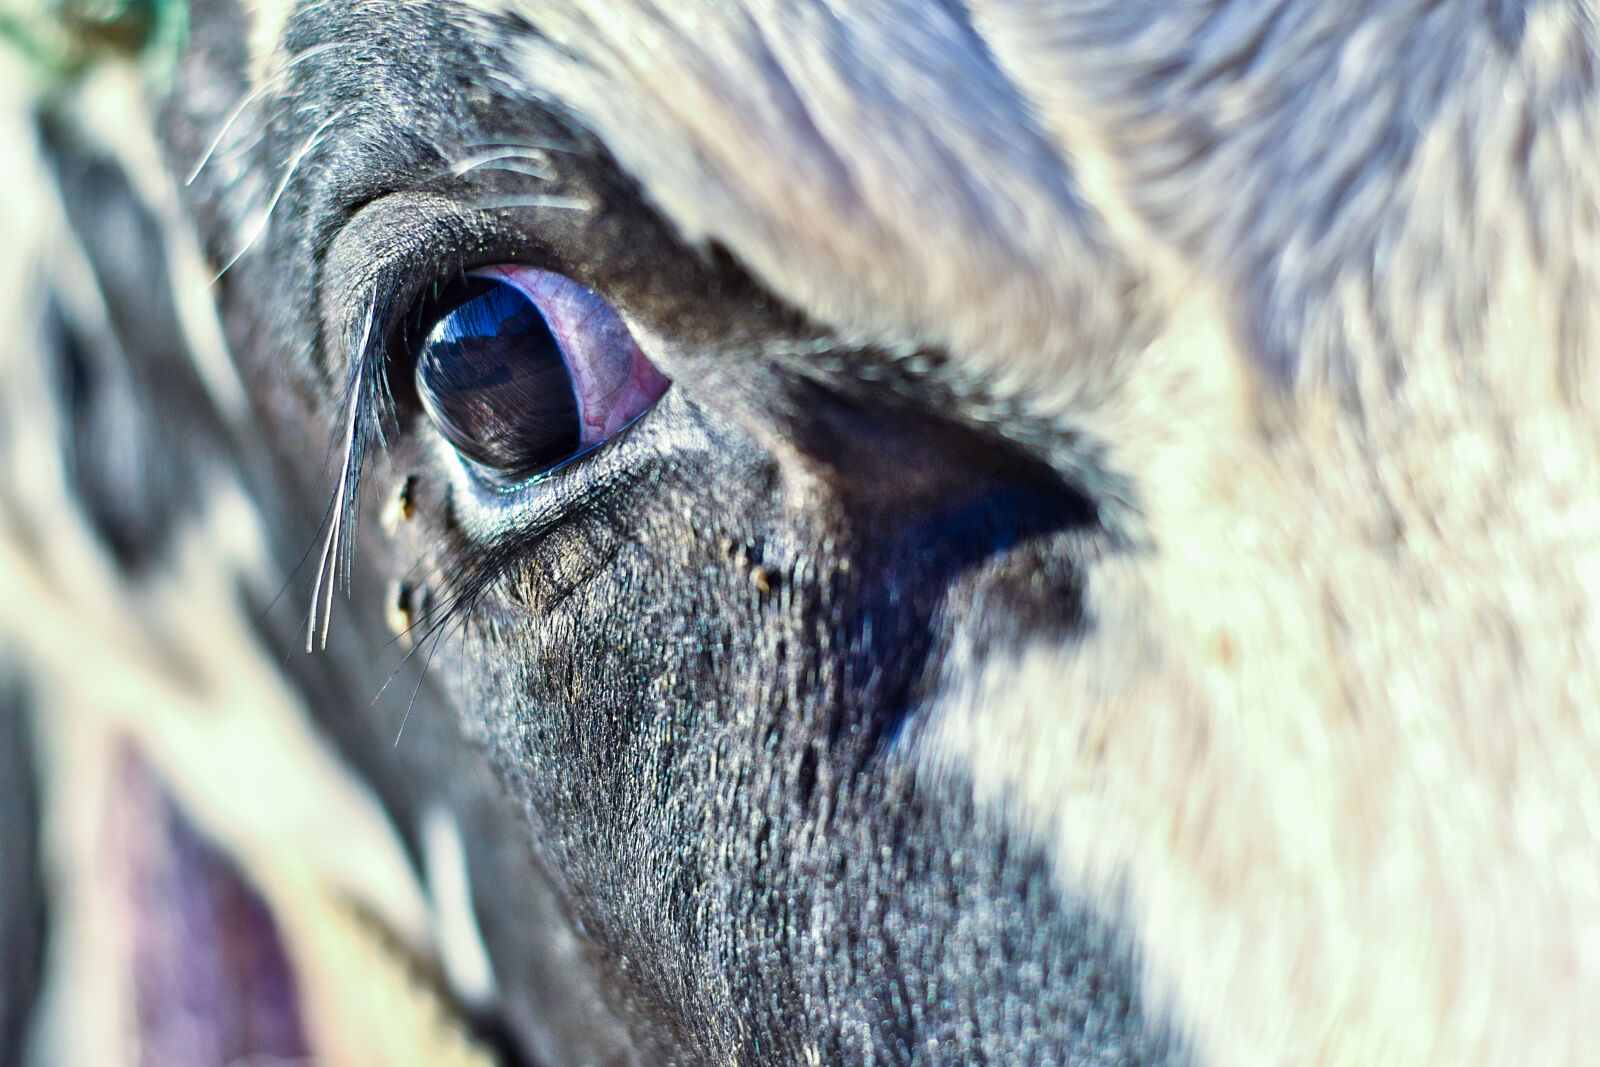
[(390, 253), (414, 210)]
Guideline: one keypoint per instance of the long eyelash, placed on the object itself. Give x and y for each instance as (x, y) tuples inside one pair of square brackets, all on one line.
[(368, 407), (368, 411)]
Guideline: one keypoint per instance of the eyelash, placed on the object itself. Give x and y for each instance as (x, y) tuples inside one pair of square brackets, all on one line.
[(370, 411), (367, 409)]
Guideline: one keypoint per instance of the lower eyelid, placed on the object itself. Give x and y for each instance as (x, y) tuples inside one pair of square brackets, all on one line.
[(486, 512)]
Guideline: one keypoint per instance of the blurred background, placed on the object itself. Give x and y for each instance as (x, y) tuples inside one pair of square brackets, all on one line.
[(189, 874)]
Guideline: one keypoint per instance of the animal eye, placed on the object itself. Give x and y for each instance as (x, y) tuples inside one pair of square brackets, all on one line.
[(523, 369)]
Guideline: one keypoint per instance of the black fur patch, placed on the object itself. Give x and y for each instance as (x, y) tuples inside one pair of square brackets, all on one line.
[(22, 898)]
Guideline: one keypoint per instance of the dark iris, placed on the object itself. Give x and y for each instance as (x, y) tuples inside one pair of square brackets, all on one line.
[(492, 378)]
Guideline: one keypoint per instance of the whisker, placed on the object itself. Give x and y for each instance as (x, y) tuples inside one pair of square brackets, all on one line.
[(267, 85), (527, 161), (512, 166), (288, 582), (421, 677), (457, 614), (521, 148), (551, 201), (470, 580), (312, 143), (249, 98)]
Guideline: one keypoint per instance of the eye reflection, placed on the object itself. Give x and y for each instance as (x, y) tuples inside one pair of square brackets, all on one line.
[(525, 369)]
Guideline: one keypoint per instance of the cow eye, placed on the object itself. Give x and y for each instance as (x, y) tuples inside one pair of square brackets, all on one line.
[(523, 369)]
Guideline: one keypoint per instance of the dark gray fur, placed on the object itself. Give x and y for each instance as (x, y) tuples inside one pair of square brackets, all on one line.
[(760, 875), (22, 900)]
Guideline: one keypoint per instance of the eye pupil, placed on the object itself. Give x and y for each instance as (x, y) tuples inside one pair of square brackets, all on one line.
[(521, 370), (494, 381)]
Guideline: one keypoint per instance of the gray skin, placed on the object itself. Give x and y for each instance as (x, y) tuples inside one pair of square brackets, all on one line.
[(689, 666)]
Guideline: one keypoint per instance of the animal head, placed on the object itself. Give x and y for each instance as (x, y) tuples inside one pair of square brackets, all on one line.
[(998, 532)]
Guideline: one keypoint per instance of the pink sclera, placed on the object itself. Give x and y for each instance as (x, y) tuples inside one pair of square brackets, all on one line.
[(612, 380)]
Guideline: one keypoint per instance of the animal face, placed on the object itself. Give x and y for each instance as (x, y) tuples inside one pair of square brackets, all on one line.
[(1016, 533), (702, 648)]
